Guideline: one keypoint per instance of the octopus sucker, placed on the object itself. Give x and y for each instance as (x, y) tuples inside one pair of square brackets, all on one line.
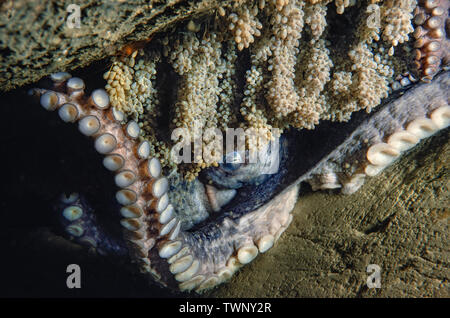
[(431, 37), (333, 110)]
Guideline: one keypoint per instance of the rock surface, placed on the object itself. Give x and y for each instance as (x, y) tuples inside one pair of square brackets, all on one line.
[(36, 40)]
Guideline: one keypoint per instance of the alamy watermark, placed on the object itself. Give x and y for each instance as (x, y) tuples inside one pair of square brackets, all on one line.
[(74, 18), (252, 145), (74, 279), (374, 279), (373, 20)]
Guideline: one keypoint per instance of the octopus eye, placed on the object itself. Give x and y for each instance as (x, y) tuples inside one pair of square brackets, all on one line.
[(232, 161), (241, 168)]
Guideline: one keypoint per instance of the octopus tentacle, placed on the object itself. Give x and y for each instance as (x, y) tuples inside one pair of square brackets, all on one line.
[(379, 141), (82, 226), (190, 260), (143, 189), (432, 43)]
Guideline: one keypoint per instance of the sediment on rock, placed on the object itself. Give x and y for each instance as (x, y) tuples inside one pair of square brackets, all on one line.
[(36, 40)]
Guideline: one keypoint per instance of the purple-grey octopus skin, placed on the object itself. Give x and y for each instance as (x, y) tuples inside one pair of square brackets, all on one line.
[(333, 156)]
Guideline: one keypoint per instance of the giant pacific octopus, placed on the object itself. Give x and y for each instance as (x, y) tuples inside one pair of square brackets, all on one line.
[(294, 65)]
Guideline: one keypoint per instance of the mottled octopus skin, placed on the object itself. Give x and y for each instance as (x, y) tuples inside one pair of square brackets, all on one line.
[(431, 37), (208, 256)]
